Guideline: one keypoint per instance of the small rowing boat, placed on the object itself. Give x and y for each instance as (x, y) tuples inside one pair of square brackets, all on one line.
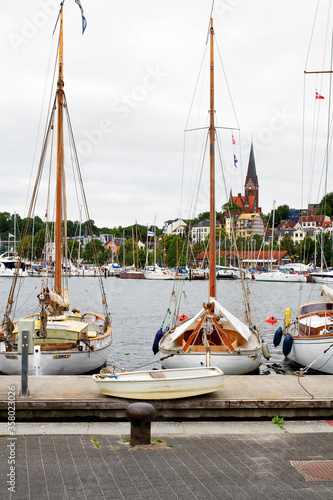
[(161, 384)]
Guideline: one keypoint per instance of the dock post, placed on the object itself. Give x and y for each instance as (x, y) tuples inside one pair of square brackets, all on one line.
[(140, 415), (24, 365), (26, 330)]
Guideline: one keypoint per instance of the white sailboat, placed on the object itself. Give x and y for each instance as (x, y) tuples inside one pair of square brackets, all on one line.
[(308, 339), (214, 336), (63, 341)]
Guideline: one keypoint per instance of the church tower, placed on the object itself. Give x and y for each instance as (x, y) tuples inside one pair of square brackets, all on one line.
[(251, 186)]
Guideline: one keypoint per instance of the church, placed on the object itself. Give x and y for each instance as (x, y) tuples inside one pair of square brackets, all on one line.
[(249, 202)]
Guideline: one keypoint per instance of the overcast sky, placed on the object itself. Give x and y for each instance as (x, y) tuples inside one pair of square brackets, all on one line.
[(129, 82)]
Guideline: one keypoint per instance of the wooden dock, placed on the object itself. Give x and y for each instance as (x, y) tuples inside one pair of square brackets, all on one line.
[(243, 396)]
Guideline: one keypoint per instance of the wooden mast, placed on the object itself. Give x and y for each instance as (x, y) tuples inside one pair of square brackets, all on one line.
[(212, 256), (60, 165)]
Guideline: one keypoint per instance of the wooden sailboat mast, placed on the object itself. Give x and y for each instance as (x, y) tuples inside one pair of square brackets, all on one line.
[(212, 256), (60, 165)]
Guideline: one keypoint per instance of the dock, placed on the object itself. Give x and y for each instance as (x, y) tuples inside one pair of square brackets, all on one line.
[(242, 397)]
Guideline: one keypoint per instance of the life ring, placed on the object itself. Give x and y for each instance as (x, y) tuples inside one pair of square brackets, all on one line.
[(182, 317), (287, 344), (271, 319), (277, 337)]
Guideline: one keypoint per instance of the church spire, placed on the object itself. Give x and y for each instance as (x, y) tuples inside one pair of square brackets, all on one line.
[(251, 170)]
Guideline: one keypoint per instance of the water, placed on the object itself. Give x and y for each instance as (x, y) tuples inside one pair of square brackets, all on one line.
[(138, 308)]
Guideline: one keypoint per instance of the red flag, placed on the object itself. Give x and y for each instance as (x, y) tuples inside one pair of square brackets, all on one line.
[(318, 96), (233, 139)]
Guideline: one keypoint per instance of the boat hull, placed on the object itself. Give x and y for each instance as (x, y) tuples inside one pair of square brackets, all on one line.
[(161, 384), (280, 277), (230, 363), (71, 362), (305, 351)]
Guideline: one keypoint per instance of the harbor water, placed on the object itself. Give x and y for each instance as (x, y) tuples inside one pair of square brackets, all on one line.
[(138, 308)]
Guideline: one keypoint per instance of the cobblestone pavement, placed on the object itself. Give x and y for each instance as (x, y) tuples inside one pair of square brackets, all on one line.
[(235, 466)]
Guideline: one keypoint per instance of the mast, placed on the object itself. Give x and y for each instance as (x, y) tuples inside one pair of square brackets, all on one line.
[(60, 164), (212, 255), (137, 248)]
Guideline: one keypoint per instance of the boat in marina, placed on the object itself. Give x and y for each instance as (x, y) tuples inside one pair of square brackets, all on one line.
[(10, 263), (280, 275), (161, 384), (213, 336), (308, 338), (63, 340), (158, 273)]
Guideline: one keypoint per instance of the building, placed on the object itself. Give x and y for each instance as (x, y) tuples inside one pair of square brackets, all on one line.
[(249, 202), (246, 225), (200, 230), (175, 226)]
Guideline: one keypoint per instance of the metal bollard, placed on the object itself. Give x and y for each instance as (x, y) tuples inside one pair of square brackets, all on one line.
[(140, 415)]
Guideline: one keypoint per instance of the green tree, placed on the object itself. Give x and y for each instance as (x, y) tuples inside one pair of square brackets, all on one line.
[(326, 205), (287, 244), (88, 254)]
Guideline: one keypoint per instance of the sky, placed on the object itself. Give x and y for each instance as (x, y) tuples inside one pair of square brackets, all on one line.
[(130, 82)]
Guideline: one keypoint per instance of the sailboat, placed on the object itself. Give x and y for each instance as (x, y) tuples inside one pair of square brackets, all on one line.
[(62, 340), (308, 339), (214, 336)]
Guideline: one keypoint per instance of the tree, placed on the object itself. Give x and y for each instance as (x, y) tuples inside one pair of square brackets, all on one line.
[(326, 205), (232, 207), (89, 255), (287, 244)]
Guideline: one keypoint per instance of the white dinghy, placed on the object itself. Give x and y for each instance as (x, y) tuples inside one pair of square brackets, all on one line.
[(161, 384)]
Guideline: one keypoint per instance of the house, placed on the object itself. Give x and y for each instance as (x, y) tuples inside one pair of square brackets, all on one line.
[(115, 244), (175, 226), (200, 230), (246, 225)]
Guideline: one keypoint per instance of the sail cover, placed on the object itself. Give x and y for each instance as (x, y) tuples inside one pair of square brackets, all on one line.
[(237, 324)]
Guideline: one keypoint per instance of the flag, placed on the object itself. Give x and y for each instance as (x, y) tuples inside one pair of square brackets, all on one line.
[(233, 139), (150, 233), (235, 161), (10, 235), (318, 96), (84, 22)]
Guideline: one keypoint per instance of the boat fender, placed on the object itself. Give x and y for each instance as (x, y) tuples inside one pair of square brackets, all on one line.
[(287, 344), (271, 319), (265, 350), (158, 336), (277, 337)]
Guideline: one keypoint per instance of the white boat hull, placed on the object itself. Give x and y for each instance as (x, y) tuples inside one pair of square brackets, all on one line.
[(156, 275), (326, 278), (281, 277), (305, 351), (72, 362), (230, 363), (161, 384)]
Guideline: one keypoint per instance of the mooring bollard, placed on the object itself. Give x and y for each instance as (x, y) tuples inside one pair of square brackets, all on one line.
[(141, 416)]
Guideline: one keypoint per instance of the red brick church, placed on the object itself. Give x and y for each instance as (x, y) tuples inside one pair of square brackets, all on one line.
[(250, 201)]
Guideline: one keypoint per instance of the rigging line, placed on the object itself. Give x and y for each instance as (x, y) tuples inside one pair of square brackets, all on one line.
[(328, 127), (199, 173), (84, 199), (314, 22), (41, 112), (196, 86), (226, 81)]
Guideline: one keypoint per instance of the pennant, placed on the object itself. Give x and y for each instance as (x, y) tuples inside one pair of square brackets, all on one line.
[(233, 139), (235, 161), (10, 235), (84, 22), (150, 233), (318, 96)]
